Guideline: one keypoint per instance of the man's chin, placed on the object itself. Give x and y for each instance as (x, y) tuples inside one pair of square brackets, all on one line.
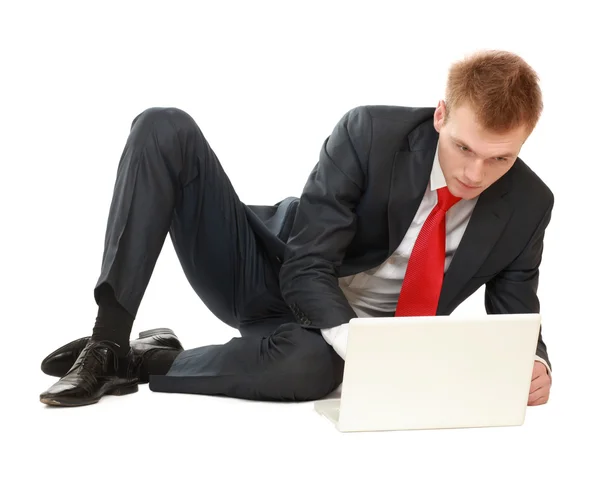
[(458, 189)]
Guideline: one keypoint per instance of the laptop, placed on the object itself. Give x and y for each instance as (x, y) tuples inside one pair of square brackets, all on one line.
[(435, 372)]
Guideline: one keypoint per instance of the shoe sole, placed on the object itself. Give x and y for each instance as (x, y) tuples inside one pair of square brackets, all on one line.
[(81, 342), (155, 331), (66, 402)]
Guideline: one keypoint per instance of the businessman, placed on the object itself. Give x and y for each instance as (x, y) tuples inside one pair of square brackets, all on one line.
[(407, 212)]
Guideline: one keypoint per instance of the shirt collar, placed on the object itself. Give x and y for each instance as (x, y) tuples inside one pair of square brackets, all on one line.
[(437, 179)]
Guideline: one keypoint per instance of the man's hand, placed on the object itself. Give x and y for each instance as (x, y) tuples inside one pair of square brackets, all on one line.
[(539, 392)]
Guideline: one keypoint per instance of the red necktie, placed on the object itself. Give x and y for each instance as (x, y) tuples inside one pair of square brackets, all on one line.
[(425, 272)]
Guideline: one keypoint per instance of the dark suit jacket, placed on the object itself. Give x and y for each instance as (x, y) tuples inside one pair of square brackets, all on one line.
[(360, 200)]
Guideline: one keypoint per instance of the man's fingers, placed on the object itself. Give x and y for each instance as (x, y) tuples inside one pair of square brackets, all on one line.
[(539, 383), (538, 395), (539, 370), (534, 396), (539, 390), (541, 400), (540, 378)]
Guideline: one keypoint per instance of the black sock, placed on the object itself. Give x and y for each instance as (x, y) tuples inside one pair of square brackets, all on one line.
[(113, 323), (158, 362)]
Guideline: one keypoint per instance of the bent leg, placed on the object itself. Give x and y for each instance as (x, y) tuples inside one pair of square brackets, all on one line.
[(169, 180), (291, 364)]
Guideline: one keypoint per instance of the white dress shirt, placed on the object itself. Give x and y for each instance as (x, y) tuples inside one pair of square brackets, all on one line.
[(375, 292)]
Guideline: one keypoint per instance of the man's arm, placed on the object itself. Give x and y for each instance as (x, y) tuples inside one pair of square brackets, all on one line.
[(325, 225), (514, 290)]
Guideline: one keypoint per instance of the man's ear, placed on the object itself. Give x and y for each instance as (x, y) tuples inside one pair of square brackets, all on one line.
[(440, 115)]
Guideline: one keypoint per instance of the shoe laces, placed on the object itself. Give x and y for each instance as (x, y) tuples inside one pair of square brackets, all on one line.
[(94, 356)]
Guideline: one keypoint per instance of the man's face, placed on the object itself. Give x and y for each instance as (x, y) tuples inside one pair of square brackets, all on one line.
[(472, 158)]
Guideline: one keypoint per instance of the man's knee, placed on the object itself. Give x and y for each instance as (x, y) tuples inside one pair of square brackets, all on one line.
[(160, 116), (312, 368)]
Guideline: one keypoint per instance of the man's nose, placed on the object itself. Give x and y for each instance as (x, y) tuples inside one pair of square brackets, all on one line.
[(474, 172)]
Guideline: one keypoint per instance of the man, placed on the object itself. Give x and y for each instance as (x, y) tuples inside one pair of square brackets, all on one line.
[(407, 212)]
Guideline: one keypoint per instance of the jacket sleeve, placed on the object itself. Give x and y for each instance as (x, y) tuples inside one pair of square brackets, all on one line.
[(514, 290), (325, 225)]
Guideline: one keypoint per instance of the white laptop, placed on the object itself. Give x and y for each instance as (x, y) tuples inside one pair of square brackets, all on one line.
[(435, 373)]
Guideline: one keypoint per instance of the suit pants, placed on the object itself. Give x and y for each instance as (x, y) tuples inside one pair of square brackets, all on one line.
[(169, 181)]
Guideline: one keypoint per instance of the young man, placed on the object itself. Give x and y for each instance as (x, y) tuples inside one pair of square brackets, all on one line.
[(407, 212)]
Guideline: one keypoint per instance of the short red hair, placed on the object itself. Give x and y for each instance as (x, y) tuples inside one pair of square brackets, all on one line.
[(501, 88)]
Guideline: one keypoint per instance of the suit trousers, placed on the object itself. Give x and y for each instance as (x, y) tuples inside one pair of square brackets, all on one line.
[(169, 181)]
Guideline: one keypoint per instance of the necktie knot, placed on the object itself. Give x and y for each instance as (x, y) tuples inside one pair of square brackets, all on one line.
[(445, 199)]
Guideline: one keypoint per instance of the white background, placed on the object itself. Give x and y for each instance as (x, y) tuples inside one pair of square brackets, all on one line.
[(266, 82)]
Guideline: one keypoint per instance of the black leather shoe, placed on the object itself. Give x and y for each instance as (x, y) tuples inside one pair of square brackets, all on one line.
[(97, 371), (140, 348), (59, 362)]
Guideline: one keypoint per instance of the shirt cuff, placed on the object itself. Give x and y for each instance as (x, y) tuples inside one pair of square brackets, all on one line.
[(337, 337)]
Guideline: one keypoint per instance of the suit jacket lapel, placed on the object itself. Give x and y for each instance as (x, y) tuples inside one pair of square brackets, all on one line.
[(490, 216), (410, 176)]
